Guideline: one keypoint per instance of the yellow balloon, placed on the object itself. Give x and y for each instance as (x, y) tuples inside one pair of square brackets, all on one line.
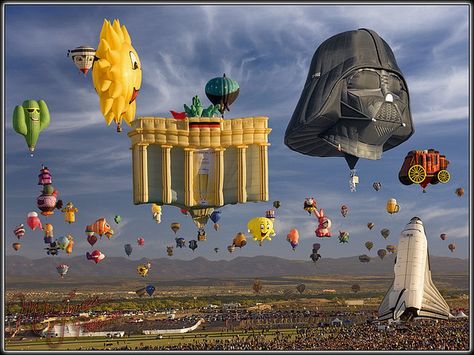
[(116, 74), (142, 270), (261, 228)]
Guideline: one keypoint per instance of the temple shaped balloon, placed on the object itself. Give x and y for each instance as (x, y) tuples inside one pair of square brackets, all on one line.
[(355, 101), (199, 163)]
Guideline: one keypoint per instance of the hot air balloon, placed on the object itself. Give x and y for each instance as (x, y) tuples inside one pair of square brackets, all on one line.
[(392, 206), (141, 292), (180, 242), (184, 211), (309, 205), (276, 204), (293, 238), (91, 239), (128, 249), (29, 119), (239, 240), (354, 104), (452, 247), (63, 242), (95, 256), (222, 91), (118, 219), (257, 286), (385, 233), (44, 177), (201, 235), (301, 288), (156, 212), (424, 167), (141, 241), (369, 245), (270, 214), (443, 236), (148, 264), (343, 237), (231, 248), (316, 247), (193, 244), (16, 246), (142, 270), (52, 249), (324, 225), (261, 228), (381, 253), (377, 186), (150, 289), (370, 225), (62, 269), (355, 288), (391, 249), (175, 226), (344, 210), (459, 191), (116, 74), (48, 233), (33, 221), (83, 58), (364, 258), (70, 245), (48, 201), (19, 230), (69, 212), (315, 256), (215, 217), (169, 250), (216, 250), (101, 227)]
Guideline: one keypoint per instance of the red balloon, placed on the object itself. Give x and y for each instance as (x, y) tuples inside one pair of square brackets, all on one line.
[(92, 239)]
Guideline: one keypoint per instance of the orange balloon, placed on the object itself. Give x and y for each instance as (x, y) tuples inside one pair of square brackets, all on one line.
[(293, 236)]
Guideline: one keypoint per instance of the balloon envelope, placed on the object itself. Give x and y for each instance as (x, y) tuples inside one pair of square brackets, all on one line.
[(369, 245), (222, 91), (150, 289), (215, 216), (385, 233), (91, 239), (459, 191), (128, 249), (381, 253), (276, 204), (16, 246), (443, 236), (301, 288)]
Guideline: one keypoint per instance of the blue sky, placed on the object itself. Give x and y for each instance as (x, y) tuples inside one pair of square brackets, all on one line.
[(267, 50)]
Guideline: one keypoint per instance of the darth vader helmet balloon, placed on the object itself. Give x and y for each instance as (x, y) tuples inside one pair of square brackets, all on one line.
[(355, 101)]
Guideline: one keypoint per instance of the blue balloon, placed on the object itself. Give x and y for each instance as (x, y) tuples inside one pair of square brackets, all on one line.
[(216, 216), (128, 249), (150, 289)]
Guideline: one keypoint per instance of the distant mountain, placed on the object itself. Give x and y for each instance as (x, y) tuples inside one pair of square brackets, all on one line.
[(22, 270)]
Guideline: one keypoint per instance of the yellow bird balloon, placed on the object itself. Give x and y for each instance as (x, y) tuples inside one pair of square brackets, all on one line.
[(261, 228), (116, 74)]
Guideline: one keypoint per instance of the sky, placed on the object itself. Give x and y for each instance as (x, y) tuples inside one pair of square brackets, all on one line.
[(267, 49)]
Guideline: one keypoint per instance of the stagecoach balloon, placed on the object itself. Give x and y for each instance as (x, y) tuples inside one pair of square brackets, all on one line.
[(369, 245), (128, 249), (239, 240), (381, 253), (355, 101), (83, 58), (222, 91), (385, 233), (19, 231), (62, 269)]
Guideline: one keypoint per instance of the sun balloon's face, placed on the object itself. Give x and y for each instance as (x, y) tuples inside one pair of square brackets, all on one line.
[(117, 74)]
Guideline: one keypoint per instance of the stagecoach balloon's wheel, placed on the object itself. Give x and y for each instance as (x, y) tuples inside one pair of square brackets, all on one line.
[(443, 176), (416, 174)]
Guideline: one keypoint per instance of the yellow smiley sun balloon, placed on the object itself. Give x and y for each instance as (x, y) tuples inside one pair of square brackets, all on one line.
[(116, 74)]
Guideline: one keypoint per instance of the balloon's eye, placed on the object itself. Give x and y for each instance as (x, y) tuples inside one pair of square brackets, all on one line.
[(31, 110), (134, 60)]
